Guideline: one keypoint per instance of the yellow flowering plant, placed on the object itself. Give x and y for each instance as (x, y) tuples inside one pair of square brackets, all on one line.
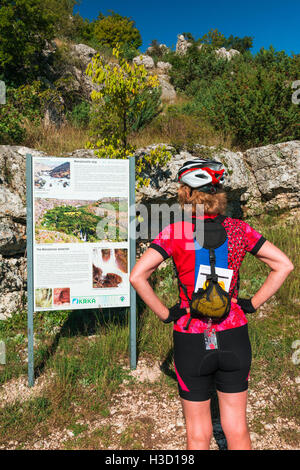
[(118, 85)]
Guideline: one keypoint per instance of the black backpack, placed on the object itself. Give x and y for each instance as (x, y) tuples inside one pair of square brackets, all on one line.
[(212, 302)]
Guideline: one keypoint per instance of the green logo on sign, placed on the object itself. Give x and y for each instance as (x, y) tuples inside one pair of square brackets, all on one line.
[(84, 300)]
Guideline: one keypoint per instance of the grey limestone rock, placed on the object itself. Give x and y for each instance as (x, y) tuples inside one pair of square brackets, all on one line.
[(223, 53), (182, 45), (145, 60), (259, 180)]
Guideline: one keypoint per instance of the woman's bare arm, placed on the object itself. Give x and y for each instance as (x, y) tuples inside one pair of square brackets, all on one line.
[(139, 276), (280, 265)]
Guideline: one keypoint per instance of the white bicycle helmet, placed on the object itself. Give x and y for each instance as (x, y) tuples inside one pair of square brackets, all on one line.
[(204, 175)]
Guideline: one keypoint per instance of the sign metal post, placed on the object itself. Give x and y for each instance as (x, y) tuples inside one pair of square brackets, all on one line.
[(132, 242), (29, 232)]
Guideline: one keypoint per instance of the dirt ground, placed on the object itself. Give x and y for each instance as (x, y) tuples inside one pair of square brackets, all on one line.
[(141, 417)]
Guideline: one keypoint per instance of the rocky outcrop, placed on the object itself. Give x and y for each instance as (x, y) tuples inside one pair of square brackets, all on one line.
[(83, 53), (162, 49), (82, 56), (144, 60), (72, 71), (259, 180), (163, 67), (223, 53), (168, 93), (12, 227), (276, 172), (12, 284), (182, 45)]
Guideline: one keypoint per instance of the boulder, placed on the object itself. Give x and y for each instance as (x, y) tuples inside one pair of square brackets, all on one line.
[(145, 60), (276, 169), (83, 54), (168, 93), (223, 53), (163, 67), (12, 285), (182, 45)]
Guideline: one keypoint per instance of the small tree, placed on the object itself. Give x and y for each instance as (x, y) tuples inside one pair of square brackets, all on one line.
[(189, 37), (62, 12), (240, 44), (122, 86), (155, 49), (25, 28), (214, 38), (116, 29)]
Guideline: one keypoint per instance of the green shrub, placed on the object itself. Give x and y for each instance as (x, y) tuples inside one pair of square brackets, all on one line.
[(25, 28), (80, 114), (128, 52), (139, 116), (189, 70), (248, 99), (252, 105), (278, 61), (11, 130), (21, 103), (116, 29)]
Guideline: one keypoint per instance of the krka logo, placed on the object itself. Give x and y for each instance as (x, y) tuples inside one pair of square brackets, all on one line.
[(83, 300)]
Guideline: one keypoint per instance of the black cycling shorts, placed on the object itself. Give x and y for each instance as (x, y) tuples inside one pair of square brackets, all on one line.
[(200, 370)]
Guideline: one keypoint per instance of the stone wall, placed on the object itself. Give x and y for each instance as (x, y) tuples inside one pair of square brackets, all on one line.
[(260, 180)]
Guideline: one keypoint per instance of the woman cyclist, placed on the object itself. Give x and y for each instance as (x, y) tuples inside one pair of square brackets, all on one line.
[(224, 361)]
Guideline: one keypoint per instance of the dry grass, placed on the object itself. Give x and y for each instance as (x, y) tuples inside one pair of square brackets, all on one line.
[(54, 140), (179, 131)]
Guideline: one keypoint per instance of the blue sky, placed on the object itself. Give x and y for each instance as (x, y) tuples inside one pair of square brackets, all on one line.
[(275, 22)]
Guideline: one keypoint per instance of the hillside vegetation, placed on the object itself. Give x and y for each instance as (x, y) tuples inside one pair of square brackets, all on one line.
[(241, 103)]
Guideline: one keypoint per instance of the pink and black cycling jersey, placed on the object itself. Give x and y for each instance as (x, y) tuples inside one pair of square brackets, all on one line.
[(178, 241)]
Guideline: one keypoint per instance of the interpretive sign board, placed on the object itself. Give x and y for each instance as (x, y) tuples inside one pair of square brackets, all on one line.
[(79, 240), (81, 233)]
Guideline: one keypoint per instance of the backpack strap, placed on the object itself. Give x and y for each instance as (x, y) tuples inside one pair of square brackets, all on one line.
[(212, 261)]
